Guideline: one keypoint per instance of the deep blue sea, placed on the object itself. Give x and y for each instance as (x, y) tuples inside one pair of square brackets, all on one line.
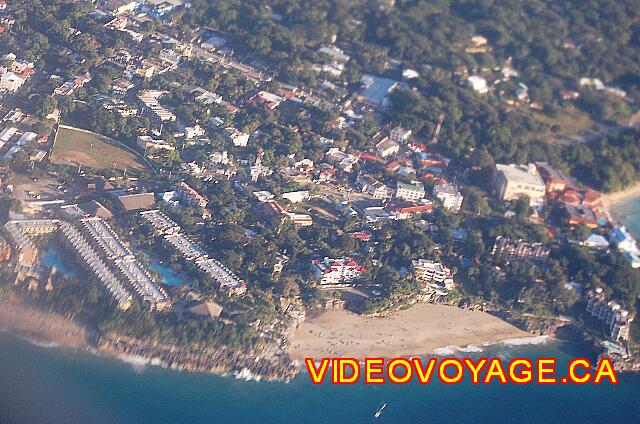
[(57, 386)]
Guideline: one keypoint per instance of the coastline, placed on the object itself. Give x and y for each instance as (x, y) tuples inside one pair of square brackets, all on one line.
[(417, 331), (49, 329), (422, 330), (611, 200), (42, 327)]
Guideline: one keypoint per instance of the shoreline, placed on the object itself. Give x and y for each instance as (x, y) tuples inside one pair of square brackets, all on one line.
[(617, 198), (48, 329), (420, 330)]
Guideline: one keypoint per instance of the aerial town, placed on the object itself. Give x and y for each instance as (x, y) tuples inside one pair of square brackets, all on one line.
[(175, 190)]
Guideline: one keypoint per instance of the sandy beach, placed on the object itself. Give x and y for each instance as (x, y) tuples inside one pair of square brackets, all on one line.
[(18, 317), (611, 200), (418, 330)]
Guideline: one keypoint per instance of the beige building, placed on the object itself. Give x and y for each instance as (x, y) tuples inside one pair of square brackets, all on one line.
[(514, 181)]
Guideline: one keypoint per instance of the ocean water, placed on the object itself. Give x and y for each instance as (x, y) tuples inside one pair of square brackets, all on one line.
[(56, 386), (629, 214)]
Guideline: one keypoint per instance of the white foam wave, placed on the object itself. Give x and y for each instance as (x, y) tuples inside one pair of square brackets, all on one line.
[(524, 341), (246, 375), (455, 350), (138, 363)]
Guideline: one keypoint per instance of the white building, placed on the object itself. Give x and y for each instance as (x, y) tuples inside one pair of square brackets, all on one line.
[(10, 81), (478, 84), (624, 241), (193, 132), (434, 274), (296, 196), (449, 195), (337, 271), (514, 181), (411, 192), (400, 135), (237, 137), (387, 147)]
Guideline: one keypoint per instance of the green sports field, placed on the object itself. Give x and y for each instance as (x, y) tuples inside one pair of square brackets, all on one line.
[(78, 147)]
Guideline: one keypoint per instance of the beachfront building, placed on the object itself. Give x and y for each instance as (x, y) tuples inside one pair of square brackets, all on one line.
[(135, 274), (193, 253), (433, 276), (515, 181), (554, 179), (617, 319), (337, 271), (621, 238), (411, 192), (20, 232), (449, 195)]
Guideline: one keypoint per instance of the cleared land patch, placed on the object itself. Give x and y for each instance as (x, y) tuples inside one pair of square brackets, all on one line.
[(73, 146)]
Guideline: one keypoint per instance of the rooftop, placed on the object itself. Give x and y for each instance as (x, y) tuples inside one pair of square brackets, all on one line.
[(521, 174)]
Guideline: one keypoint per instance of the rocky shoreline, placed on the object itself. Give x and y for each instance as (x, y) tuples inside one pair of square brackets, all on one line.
[(40, 326), (218, 360), (561, 329)]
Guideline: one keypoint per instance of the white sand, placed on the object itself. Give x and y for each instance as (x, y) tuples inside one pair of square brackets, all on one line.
[(418, 330)]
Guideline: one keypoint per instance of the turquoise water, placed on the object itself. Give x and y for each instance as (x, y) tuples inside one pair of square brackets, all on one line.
[(52, 386), (629, 214), (51, 258), (169, 277)]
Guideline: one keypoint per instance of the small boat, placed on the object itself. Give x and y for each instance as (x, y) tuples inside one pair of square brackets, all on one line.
[(379, 411)]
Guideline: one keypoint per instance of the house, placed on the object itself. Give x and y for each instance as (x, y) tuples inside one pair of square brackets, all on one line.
[(367, 184), (336, 54), (269, 100), (213, 43), (190, 197), (300, 219), (10, 81), (387, 147), (411, 192), (400, 135), (408, 212), (237, 137), (375, 90), (119, 7), (478, 84), (514, 181), (337, 271), (519, 250), (596, 241), (580, 215), (296, 196), (151, 106), (170, 57), (433, 276), (193, 132), (554, 179), (449, 195), (94, 208), (208, 309), (145, 142), (135, 202)]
